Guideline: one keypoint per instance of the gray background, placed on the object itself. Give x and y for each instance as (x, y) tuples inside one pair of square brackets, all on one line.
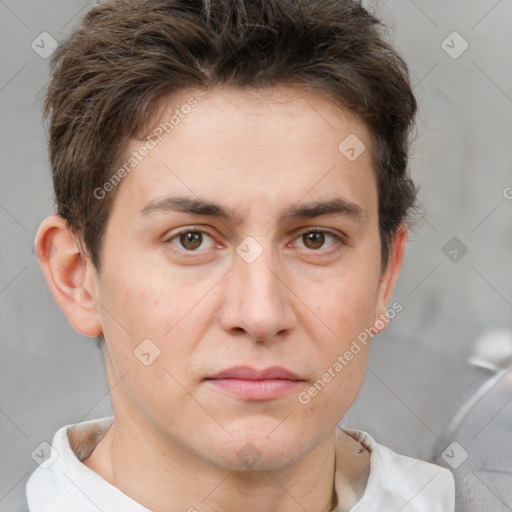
[(418, 373)]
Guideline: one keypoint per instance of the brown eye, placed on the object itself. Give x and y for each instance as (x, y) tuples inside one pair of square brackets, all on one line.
[(318, 241), (191, 240), (313, 240)]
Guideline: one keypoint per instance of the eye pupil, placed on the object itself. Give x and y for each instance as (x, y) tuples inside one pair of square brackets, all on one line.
[(191, 240), (317, 240)]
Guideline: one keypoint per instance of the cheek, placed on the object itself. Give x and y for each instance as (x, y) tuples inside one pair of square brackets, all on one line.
[(148, 343), (330, 396), (139, 299), (145, 312), (345, 303)]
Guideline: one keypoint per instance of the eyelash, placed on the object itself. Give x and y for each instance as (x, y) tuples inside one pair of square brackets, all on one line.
[(339, 240)]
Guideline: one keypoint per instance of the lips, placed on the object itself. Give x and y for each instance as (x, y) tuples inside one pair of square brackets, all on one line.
[(252, 384), (248, 373)]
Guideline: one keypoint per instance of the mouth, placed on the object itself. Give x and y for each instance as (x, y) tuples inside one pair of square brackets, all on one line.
[(252, 384)]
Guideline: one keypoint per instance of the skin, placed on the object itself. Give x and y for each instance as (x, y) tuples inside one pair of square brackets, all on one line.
[(176, 437)]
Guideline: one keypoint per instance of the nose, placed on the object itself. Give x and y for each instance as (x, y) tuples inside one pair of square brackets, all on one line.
[(258, 302)]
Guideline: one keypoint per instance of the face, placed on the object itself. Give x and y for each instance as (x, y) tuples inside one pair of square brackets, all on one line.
[(186, 289)]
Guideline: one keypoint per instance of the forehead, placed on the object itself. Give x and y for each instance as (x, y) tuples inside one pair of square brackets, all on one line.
[(242, 146)]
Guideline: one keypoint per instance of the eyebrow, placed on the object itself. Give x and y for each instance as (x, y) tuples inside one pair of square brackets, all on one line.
[(183, 204)]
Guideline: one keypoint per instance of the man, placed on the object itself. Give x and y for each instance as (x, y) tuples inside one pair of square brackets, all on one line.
[(232, 196)]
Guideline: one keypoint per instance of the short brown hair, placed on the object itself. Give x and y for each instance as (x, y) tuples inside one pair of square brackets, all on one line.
[(112, 75)]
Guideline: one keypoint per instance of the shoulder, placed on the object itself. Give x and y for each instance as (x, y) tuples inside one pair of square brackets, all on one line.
[(63, 483), (403, 482)]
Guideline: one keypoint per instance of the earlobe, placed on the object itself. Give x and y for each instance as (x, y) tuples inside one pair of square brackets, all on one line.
[(389, 278), (71, 278)]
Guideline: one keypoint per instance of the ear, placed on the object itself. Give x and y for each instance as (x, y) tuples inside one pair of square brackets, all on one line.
[(70, 275), (389, 277)]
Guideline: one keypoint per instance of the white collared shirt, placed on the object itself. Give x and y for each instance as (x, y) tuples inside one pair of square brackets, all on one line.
[(64, 484)]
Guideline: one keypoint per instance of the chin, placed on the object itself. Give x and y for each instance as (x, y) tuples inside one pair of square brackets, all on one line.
[(260, 446)]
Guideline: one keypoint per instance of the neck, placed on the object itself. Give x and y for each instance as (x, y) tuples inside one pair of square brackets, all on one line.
[(155, 474)]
